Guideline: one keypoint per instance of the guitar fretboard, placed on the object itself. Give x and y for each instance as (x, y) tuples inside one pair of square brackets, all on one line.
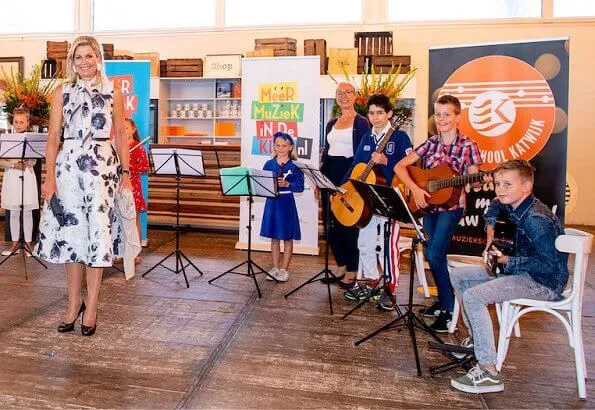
[(458, 180)]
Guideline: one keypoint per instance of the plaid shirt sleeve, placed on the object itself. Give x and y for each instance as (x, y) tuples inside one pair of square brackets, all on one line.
[(422, 149), (474, 154)]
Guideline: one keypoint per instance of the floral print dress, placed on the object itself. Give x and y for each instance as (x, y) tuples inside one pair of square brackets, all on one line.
[(87, 180)]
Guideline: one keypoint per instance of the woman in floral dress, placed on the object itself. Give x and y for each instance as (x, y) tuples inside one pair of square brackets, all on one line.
[(85, 175)]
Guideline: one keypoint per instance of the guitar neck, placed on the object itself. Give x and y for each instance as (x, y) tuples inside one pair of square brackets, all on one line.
[(394, 126), (458, 180)]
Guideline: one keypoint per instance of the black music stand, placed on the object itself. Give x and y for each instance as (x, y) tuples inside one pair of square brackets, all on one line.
[(180, 162), (392, 199), (322, 183), (23, 146), (380, 208), (248, 182)]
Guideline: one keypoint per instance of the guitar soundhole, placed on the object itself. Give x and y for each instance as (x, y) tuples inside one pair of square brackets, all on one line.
[(431, 186)]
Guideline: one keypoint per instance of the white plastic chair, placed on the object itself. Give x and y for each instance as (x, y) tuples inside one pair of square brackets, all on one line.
[(579, 244)]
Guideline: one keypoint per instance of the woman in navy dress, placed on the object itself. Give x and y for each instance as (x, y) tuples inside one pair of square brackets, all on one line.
[(280, 220)]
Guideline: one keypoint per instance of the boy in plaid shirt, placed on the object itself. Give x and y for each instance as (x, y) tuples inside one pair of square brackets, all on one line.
[(462, 155)]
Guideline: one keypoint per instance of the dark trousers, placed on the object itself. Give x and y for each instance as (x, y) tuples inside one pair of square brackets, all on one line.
[(342, 239)]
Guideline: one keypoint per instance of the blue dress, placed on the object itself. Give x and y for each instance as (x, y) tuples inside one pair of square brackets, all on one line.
[(280, 218)]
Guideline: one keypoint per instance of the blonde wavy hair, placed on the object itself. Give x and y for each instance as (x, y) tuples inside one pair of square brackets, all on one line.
[(71, 75)]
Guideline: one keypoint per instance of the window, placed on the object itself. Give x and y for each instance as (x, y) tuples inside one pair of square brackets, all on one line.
[(32, 16), (279, 12), (420, 10), (574, 8), (119, 15)]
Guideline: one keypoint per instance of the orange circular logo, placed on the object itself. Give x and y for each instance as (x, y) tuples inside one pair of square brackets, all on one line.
[(507, 107)]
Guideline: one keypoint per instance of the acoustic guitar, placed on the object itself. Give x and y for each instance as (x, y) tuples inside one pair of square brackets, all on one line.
[(349, 207), (504, 233), (441, 182)]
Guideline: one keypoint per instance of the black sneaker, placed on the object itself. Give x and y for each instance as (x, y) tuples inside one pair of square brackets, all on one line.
[(356, 292), (386, 302), (432, 311), (440, 325)]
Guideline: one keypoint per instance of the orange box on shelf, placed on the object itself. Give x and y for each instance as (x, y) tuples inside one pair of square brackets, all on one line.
[(175, 130), (225, 129)]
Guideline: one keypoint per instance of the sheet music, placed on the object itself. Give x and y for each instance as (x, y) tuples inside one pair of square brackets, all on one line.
[(263, 182), (318, 178), (190, 161), (11, 145), (234, 181)]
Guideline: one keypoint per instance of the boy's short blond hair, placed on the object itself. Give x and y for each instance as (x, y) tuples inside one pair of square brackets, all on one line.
[(525, 169)]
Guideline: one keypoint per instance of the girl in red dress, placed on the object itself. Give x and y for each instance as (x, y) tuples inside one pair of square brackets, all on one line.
[(139, 163)]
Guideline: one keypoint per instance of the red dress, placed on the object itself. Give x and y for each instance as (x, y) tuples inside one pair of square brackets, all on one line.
[(139, 163)]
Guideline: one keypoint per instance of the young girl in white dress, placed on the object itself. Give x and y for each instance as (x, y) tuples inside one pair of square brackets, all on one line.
[(14, 170)]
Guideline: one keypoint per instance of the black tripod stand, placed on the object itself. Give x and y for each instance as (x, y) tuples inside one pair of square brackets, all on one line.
[(10, 145), (327, 187), (184, 163), (325, 271), (392, 199), (239, 182)]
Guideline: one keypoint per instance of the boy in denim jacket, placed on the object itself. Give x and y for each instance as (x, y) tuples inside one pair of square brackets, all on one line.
[(536, 270)]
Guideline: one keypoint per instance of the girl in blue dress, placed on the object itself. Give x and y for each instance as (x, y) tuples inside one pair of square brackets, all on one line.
[(280, 219)]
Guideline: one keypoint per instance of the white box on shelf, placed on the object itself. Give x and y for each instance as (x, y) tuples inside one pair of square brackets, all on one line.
[(223, 66)]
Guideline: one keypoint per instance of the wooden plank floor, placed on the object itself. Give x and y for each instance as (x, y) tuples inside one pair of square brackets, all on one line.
[(160, 345)]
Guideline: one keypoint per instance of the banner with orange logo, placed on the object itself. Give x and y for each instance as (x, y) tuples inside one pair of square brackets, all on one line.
[(514, 101)]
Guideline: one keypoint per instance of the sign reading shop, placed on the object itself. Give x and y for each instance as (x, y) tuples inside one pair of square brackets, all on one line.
[(223, 66)]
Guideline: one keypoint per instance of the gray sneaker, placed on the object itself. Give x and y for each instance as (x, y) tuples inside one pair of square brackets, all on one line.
[(386, 301), (478, 380), (467, 343)]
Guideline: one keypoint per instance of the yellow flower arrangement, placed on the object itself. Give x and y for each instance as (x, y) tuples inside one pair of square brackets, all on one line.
[(29, 93), (372, 83)]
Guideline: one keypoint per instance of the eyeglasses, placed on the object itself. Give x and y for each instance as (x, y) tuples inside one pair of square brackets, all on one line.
[(343, 93), (445, 115)]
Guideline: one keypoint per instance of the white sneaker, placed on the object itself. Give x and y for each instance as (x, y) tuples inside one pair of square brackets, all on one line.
[(282, 275), (6, 253), (273, 272)]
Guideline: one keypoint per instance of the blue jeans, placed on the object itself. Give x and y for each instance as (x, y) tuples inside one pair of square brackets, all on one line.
[(440, 227), (478, 290)]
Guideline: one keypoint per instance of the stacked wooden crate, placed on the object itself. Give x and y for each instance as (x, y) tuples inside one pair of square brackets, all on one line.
[(281, 46), (383, 64), (377, 48), (108, 51), (314, 47), (183, 67), (57, 51)]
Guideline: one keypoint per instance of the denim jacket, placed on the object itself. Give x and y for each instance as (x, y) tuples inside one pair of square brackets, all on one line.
[(535, 252)]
